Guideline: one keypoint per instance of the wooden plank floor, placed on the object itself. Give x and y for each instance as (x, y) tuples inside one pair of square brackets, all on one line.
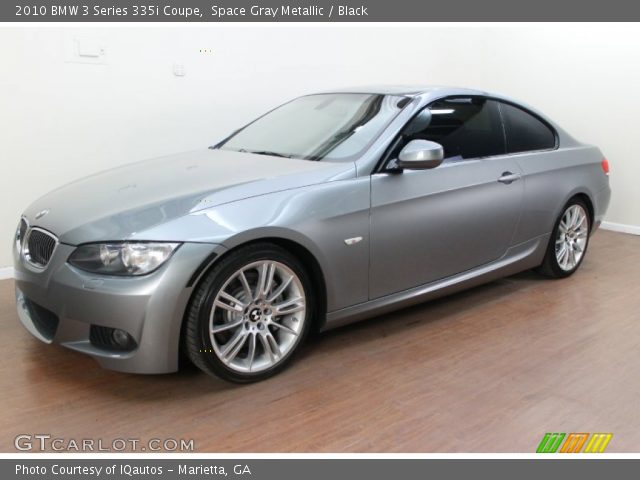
[(488, 370)]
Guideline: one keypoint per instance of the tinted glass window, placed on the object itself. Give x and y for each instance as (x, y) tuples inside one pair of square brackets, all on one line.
[(465, 127), (524, 131)]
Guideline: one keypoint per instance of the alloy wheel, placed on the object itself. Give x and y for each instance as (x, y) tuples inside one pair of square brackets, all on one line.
[(571, 240), (257, 316)]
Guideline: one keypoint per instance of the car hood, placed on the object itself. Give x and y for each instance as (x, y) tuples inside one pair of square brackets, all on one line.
[(126, 201)]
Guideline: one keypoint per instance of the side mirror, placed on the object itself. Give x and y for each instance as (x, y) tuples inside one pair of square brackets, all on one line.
[(420, 154)]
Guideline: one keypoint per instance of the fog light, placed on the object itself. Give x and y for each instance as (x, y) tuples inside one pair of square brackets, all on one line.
[(121, 338), (112, 339)]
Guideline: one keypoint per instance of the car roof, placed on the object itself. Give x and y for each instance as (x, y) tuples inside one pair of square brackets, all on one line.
[(408, 90)]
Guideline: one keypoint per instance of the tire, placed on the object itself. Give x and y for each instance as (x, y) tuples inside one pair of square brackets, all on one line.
[(249, 314), (570, 235)]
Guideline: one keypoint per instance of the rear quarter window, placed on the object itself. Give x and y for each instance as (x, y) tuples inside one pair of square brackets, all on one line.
[(524, 131)]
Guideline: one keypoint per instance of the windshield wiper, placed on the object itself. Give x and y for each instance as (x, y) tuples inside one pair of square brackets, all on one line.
[(265, 152)]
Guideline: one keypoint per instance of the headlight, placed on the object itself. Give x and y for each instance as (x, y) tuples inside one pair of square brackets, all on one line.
[(126, 258)]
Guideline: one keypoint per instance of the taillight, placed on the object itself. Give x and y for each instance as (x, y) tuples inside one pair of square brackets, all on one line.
[(605, 166)]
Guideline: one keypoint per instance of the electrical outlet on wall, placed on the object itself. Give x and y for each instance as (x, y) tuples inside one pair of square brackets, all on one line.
[(178, 69), (85, 49)]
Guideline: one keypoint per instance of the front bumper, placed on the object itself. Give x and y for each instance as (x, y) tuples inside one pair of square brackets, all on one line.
[(64, 305)]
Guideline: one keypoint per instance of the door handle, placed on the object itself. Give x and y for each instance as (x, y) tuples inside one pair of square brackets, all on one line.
[(508, 178)]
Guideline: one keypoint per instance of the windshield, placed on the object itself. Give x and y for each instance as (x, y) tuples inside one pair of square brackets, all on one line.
[(334, 126)]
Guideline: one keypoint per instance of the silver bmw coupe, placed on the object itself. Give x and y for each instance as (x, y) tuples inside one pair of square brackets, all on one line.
[(329, 209)]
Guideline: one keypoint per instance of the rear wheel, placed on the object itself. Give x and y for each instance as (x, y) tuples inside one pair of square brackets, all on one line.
[(569, 241), (249, 314)]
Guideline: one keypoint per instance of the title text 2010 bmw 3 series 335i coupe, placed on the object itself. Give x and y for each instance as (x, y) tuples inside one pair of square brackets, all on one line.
[(329, 209)]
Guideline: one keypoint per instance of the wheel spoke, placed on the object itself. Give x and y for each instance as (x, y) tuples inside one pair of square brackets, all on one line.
[(268, 284), (252, 350), (563, 226), (265, 279), (234, 304), (226, 306), (574, 217), (579, 218), (560, 256), (281, 288), (266, 344), (284, 328), (226, 326), (290, 306), (567, 220), (246, 287), (274, 344), (234, 345), (569, 258)]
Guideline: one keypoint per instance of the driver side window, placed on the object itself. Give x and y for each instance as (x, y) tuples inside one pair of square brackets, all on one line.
[(466, 128)]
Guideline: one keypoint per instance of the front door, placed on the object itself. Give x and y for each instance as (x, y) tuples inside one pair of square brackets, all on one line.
[(427, 225)]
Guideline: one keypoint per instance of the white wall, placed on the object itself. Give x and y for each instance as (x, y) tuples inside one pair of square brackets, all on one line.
[(60, 121)]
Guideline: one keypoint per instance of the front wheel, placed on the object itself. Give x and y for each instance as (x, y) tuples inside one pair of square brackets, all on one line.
[(249, 314), (569, 241)]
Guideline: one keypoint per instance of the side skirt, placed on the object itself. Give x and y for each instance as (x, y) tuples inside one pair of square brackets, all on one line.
[(516, 259)]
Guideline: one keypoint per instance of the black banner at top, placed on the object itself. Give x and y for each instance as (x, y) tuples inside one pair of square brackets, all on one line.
[(317, 11)]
